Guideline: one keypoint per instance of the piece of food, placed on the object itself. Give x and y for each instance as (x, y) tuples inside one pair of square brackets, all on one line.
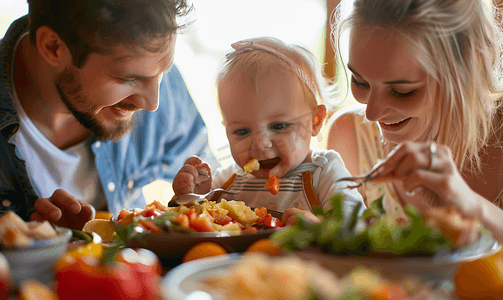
[(272, 184), (252, 165), (103, 215), (32, 289), (205, 249), (15, 238), (462, 231), (16, 233), (239, 211), (11, 220), (103, 228), (41, 230), (266, 218)]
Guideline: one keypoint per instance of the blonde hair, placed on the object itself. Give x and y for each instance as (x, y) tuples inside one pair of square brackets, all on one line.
[(458, 44), (260, 55)]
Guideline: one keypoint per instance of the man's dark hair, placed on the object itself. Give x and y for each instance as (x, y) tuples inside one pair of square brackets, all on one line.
[(97, 26)]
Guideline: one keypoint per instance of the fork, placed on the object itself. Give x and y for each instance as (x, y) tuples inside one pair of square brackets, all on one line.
[(359, 179), (191, 198)]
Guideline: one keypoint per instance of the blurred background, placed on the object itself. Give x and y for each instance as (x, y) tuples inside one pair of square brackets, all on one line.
[(201, 49)]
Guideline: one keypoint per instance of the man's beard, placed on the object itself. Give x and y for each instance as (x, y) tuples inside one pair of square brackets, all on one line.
[(69, 88)]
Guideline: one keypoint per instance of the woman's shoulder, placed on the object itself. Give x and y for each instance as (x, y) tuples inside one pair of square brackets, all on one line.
[(344, 119), (356, 110)]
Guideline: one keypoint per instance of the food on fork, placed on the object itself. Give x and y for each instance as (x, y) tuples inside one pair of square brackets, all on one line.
[(272, 184), (252, 165)]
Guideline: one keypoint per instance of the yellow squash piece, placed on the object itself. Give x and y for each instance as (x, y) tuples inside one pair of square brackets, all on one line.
[(239, 211), (252, 165)]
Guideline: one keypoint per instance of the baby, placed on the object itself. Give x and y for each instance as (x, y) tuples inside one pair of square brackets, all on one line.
[(270, 96)]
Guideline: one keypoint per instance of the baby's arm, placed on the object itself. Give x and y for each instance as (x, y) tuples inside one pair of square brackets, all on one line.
[(188, 179), (290, 216), (327, 186)]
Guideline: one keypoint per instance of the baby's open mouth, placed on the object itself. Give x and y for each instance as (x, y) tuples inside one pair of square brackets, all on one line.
[(269, 163)]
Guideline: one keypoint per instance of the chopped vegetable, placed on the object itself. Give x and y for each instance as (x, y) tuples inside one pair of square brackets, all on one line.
[(272, 184)]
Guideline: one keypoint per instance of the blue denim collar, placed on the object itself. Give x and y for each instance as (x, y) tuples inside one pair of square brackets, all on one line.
[(9, 121)]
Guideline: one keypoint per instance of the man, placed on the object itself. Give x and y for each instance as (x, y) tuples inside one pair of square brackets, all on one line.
[(86, 115)]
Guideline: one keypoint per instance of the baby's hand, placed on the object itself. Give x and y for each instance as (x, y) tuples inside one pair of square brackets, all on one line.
[(189, 179), (290, 216)]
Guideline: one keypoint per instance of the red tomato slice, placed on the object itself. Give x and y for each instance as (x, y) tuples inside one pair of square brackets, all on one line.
[(272, 222), (202, 225), (272, 184)]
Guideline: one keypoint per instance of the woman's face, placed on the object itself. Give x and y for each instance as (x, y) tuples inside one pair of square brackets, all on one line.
[(398, 93)]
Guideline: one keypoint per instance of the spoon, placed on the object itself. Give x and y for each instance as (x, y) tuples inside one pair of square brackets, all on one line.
[(191, 198)]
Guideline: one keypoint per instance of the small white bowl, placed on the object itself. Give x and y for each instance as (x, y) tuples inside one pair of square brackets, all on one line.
[(37, 260)]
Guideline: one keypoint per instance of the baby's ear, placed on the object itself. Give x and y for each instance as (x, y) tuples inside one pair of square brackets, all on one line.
[(318, 118)]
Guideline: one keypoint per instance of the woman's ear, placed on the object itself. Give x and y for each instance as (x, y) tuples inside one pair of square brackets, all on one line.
[(319, 117), (51, 47)]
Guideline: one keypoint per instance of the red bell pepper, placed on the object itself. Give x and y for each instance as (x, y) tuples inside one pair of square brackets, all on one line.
[(135, 274)]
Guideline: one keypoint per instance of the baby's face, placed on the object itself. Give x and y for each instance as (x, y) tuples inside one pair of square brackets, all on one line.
[(272, 123)]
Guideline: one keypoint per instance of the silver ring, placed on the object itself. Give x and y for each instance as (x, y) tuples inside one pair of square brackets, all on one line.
[(433, 154)]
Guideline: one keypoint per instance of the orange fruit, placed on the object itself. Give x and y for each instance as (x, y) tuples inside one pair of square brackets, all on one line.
[(481, 278), (264, 246), (104, 228), (103, 215), (205, 249)]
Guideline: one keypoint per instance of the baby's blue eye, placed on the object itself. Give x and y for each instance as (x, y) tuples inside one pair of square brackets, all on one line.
[(279, 126), (242, 131)]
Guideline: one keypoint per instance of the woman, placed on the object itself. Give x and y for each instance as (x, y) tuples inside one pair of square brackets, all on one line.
[(425, 71)]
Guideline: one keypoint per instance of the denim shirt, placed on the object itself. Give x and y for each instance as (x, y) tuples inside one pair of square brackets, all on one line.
[(156, 148)]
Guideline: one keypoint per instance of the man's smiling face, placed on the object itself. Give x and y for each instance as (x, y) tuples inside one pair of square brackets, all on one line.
[(104, 94)]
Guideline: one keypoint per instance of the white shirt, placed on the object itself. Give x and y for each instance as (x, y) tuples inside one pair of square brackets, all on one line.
[(51, 168), (326, 167)]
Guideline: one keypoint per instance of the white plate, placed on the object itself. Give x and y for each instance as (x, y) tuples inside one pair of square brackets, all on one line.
[(184, 281)]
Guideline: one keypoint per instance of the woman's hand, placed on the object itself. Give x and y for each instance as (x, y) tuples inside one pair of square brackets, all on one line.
[(63, 209), (428, 169), (187, 179)]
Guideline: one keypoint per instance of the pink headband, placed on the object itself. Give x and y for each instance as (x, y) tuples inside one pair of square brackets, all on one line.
[(250, 45)]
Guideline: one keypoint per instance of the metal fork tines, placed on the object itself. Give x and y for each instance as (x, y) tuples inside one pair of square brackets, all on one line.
[(359, 179)]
